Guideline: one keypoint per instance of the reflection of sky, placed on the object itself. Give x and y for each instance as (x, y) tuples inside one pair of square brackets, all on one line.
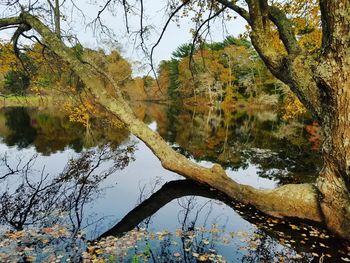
[(250, 177), (123, 188), (247, 176)]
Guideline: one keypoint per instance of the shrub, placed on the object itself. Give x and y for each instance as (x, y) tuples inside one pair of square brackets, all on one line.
[(16, 82)]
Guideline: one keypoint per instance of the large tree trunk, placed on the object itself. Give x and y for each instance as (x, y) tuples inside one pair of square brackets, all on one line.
[(334, 180), (323, 86), (333, 79)]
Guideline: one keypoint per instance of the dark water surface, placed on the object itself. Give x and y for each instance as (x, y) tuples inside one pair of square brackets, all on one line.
[(66, 185)]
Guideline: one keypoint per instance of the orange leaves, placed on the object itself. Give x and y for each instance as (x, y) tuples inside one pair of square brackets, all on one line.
[(314, 137), (114, 64)]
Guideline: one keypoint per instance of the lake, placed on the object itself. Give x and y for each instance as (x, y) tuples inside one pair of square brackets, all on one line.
[(71, 192)]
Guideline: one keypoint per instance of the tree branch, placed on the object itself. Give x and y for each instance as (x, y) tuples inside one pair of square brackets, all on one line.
[(298, 200), (10, 21), (197, 32), (161, 36), (291, 67), (285, 29), (167, 193), (239, 10), (19, 31)]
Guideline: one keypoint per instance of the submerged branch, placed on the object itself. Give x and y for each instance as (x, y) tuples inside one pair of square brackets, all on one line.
[(167, 193)]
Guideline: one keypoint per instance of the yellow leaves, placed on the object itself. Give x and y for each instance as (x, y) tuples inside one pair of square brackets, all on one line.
[(80, 113), (36, 90), (276, 42), (8, 59), (306, 20), (293, 107), (31, 258), (203, 257), (214, 230), (16, 235), (294, 227), (178, 232), (113, 64), (311, 41)]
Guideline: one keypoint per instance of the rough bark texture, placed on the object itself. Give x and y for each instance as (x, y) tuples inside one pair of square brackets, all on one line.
[(322, 84), (333, 78)]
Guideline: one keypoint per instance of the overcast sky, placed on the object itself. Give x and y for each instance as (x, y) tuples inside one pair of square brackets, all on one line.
[(173, 37)]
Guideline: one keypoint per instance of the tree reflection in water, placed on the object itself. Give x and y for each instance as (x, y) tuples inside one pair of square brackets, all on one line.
[(19, 122), (273, 240), (50, 208), (51, 211), (36, 200)]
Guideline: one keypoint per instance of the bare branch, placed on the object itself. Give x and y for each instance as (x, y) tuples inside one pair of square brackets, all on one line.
[(239, 10), (172, 15), (197, 32), (50, 4), (20, 30), (126, 16), (142, 28)]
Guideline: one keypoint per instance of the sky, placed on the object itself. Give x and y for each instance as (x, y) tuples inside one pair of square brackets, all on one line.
[(175, 35)]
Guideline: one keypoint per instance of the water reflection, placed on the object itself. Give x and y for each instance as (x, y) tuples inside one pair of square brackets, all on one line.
[(50, 131), (54, 204), (48, 204), (18, 121), (199, 223), (273, 240), (285, 151)]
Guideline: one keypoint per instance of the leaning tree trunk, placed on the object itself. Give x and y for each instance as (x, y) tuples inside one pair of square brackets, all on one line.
[(293, 200)]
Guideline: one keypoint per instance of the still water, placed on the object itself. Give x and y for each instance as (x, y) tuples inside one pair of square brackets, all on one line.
[(66, 187)]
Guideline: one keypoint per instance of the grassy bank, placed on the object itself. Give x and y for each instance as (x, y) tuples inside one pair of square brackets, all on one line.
[(25, 101)]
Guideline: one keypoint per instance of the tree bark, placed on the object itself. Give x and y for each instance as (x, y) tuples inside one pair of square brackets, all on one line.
[(334, 180), (57, 16), (332, 75)]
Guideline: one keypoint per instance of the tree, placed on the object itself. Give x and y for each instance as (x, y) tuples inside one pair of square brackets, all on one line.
[(319, 79), (16, 82)]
